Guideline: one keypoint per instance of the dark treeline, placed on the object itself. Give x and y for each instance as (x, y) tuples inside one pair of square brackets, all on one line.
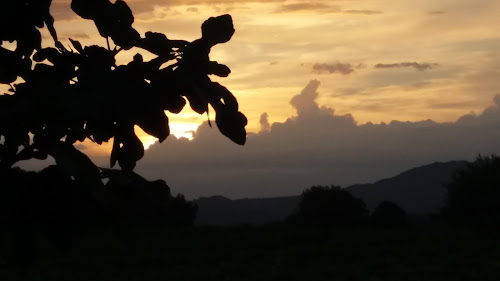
[(471, 201), (52, 203), (329, 207)]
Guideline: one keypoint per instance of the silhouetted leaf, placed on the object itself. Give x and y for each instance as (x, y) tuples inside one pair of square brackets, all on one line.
[(77, 45), (155, 123), (40, 155), (232, 125), (218, 29), (88, 9), (114, 153)]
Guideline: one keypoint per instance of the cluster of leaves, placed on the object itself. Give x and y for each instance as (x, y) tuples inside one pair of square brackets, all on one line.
[(79, 93), (474, 193)]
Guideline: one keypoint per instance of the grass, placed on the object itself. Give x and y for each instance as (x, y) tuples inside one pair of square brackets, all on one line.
[(269, 253)]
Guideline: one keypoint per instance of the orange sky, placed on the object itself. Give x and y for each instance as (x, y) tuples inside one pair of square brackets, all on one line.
[(379, 60)]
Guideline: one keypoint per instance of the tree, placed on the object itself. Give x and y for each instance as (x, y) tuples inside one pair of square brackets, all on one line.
[(474, 193), (133, 200), (329, 207), (63, 95), (69, 95), (388, 215)]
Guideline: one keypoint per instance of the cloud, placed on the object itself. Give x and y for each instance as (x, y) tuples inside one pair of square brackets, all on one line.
[(317, 146), (307, 7), (264, 122), (342, 68), (61, 10), (363, 12), (417, 66), (304, 102)]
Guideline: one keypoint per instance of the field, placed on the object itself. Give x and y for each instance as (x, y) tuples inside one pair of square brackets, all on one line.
[(268, 253)]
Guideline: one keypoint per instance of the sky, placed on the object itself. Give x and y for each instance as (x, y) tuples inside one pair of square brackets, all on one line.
[(336, 92)]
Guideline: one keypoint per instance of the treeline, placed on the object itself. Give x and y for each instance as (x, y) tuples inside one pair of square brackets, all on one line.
[(328, 207), (52, 203), (472, 200), (55, 205)]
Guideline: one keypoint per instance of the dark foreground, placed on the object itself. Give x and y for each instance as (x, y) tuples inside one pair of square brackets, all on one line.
[(268, 253)]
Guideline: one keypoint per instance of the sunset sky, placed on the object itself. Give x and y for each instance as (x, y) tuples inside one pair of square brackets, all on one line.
[(440, 57), (368, 61)]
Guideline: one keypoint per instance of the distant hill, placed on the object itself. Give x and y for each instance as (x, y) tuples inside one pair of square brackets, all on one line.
[(219, 210), (418, 191)]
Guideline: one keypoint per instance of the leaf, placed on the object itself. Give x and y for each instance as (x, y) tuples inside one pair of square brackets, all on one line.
[(197, 99), (114, 153), (220, 92), (232, 125), (155, 123), (88, 9), (77, 45), (25, 154), (132, 148), (40, 155), (76, 164), (123, 12), (218, 30), (50, 54)]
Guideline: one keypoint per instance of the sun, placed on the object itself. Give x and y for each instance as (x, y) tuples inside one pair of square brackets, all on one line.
[(181, 126)]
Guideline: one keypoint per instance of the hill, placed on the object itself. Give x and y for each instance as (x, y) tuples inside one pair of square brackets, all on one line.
[(219, 210), (419, 191)]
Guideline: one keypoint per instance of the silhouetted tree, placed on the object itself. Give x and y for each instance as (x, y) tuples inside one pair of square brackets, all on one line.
[(48, 202), (473, 195), (62, 95), (135, 200), (388, 215), (329, 207), (81, 93)]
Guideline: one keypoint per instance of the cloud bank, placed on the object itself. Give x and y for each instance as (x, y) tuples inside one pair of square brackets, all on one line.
[(315, 147)]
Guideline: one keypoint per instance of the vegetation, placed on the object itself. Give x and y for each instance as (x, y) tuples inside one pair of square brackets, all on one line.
[(329, 207), (271, 253), (388, 215), (474, 193), (63, 95), (51, 205)]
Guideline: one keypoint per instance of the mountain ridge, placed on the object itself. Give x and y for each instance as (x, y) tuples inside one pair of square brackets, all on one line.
[(418, 190)]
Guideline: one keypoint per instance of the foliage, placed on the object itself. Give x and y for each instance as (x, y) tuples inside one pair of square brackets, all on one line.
[(272, 253), (69, 95), (50, 202), (330, 207), (135, 200), (474, 193), (388, 215)]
